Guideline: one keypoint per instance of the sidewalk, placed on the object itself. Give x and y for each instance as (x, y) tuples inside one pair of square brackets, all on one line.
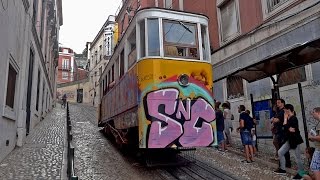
[(42, 156), (265, 154)]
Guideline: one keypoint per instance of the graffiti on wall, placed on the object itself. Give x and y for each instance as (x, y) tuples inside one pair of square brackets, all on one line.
[(70, 94), (185, 123)]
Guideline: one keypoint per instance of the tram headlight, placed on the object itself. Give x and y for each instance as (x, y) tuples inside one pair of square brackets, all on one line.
[(183, 80)]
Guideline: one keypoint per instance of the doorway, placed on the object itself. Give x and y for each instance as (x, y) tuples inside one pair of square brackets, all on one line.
[(29, 92), (79, 95)]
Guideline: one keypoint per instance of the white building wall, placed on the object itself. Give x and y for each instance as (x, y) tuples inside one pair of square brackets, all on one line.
[(17, 38), (12, 35)]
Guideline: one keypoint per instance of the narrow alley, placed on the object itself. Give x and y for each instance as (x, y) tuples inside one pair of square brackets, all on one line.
[(159, 89)]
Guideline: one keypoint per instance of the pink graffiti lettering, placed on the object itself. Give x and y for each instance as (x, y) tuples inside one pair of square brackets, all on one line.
[(184, 111), (164, 130), (198, 136), (160, 137)]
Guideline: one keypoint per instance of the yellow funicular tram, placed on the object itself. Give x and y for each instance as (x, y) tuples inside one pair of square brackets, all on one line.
[(157, 86)]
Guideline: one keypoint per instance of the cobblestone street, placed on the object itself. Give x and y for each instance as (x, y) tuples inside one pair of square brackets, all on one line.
[(95, 156), (42, 157)]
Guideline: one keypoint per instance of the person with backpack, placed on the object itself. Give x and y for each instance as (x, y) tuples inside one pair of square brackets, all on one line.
[(245, 126)]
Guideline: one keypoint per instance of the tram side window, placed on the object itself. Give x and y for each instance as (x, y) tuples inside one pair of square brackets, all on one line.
[(109, 78), (112, 73), (205, 42), (153, 37), (142, 39), (106, 85), (122, 63), (132, 57), (180, 40)]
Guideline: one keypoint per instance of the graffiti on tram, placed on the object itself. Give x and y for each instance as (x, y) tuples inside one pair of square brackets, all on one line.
[(183, 122)]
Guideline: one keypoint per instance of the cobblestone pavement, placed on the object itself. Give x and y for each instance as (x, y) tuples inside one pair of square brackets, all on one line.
[(97, 159), (42, 155), (266, 154), (231, 163), (95, 156)]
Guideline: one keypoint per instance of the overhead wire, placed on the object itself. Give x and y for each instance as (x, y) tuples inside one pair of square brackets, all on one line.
[(3, 6)]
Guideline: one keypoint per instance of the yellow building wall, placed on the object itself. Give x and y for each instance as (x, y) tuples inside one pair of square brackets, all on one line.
[(71, 92)]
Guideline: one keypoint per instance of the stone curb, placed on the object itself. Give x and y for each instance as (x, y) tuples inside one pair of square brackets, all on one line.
[(265, 163)]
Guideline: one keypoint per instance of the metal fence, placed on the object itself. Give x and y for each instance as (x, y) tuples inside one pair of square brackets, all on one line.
[(70, 155)]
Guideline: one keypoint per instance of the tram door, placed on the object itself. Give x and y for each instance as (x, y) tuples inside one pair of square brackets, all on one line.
[(79, 95)]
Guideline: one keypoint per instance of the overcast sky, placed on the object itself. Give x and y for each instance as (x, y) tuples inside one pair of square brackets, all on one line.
[(82, 20)]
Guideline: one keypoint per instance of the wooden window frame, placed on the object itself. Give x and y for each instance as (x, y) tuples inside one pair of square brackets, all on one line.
[(196, 46)]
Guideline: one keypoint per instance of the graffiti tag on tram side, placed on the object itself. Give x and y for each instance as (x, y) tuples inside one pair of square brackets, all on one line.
[(180, 122)]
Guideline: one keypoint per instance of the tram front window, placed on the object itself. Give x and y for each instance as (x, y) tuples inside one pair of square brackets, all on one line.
[(153, 37), (180, 39)]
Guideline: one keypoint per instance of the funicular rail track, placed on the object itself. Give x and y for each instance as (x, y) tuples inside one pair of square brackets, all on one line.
[(196, 170)]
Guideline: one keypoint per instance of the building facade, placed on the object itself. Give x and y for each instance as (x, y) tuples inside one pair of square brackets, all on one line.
[(76, 91), (261, 51), (99, 52), (81, 60), (66, 65), (29, 34)]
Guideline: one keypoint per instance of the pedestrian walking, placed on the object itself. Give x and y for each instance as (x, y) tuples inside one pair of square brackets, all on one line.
[(253, 133), (292, 140), (314, 136), (227, 123), (220, 126), (64, 101), (278, 130), (245, 126)]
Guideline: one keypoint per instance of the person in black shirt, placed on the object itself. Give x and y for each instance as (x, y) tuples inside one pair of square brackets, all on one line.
[(292, 140), (278, 129), (245, 126), (220, 126)]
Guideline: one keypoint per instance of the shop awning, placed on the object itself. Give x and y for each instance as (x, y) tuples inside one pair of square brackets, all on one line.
[(291, 50), (290, 58)]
